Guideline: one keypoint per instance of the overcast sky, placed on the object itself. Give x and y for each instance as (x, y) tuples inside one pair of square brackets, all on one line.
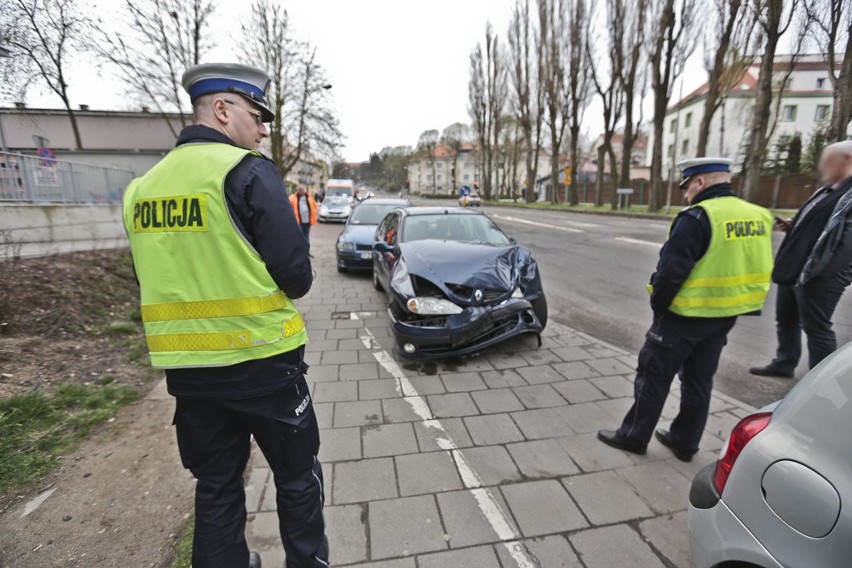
[(397, 67)]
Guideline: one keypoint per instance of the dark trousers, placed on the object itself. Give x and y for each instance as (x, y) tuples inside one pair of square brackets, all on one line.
[(306, 229), (214, 441), (809, 307), (676, 345)]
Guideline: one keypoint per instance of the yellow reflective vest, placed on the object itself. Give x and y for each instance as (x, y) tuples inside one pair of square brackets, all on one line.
[(207, 297), (733, 276)]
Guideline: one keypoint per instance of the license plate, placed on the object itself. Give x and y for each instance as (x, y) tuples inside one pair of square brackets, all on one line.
[(366, 255)]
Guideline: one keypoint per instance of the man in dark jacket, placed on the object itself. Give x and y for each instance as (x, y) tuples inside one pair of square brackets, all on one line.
[(810, 304)]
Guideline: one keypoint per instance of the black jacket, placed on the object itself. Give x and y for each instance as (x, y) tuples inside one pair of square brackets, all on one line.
[(261, 210), (800, 240), (689, 238)]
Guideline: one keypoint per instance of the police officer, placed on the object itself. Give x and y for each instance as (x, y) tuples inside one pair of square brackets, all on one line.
[(715, 266), (219, 258)]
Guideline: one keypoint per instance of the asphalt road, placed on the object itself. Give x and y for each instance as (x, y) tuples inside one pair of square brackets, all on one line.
[(595, 269)]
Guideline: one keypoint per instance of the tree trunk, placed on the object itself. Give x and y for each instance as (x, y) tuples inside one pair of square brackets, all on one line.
[(760, 121), (72, 116), (613, 166), (841, 112), (574, 194), (600, 175), (655, 197), (554, 165)]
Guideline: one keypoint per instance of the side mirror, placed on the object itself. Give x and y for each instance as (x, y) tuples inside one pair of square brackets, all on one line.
[(382, 247), (513, 240)]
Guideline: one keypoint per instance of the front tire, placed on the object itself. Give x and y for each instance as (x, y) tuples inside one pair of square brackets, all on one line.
[(539, 306)]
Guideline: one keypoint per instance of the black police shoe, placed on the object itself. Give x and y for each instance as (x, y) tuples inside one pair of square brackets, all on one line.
[(612, 438), (665, 438), (254, 560), (770, 371)]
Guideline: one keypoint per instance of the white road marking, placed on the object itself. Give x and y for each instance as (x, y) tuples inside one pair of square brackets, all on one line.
[(36, 501), (488, 504), (537, 224), (639, 242)]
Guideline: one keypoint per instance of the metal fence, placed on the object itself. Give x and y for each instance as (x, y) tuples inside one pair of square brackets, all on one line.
[(32, 179)]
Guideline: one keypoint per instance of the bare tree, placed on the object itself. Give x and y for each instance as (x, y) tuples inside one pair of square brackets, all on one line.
[(477, 106), (672, 41), (551, 74), (427, 143), (44, 35), (304, 119), (454, 137), (527, 98), (728, 52), (579, 78), (159, 41), (831, 28), (774, 18)]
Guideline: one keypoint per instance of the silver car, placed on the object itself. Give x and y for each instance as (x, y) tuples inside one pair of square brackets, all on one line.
[(779, 496)]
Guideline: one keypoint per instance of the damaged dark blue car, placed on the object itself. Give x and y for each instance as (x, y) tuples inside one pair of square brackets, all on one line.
[(457, 284)]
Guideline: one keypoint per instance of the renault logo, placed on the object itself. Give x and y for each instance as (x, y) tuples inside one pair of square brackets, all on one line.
[(477, 295)]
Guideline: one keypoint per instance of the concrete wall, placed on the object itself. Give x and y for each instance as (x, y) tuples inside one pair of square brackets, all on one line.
[(39, 230)]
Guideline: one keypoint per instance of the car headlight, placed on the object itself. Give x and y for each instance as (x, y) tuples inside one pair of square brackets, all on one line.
[(518, 293), (347, 210), (345, 246), (426, 306), (323, 210)]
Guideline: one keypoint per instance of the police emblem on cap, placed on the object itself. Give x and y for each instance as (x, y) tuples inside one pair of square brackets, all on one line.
[(248, 82)]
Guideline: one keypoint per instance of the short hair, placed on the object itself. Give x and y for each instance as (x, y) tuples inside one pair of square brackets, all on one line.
[(843, 147)]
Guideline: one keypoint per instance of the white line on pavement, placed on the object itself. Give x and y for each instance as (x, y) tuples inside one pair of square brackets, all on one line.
[(488, 504), (537, 224), (639, 242)]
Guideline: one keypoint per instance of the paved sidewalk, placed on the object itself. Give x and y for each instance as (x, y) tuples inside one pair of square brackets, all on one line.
[(483, 462)]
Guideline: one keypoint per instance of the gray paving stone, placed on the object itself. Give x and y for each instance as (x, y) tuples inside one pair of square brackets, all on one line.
[(539, 396), (542, 458), (365, 480), (376, 389), (324, 413), (615, 408), (358, 413), (360, 371), (542, 423), (572, 354), (452, 405), (599, 351), (428, 385), (335, 391), (506, 361), (389, 440), (492, 464), (339, 333), (269, 502), (254, 488), (496, 400), (345, 527), (609, 366), (322, 373), (575, 370), (398, 563), (431, 438), (492, 429), (479, 557), (605, 498), (431, 472), (542, 507), (502, 378), (540, 374), (464, 520), (463, 382), (340, 444), (614, 386), (669, 537), (541, 356), (618, 545), (263, 536), (354, 344), (660, 485), (549, 551), (590, 454), (586, 417), (317, 348), (401, 527), (578, 391), (339, 357), (399, 410)]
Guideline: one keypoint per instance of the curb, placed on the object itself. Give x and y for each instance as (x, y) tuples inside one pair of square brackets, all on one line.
[(652, 216)]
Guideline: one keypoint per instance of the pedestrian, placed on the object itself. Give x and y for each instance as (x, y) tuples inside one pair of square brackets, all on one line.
[(320, 195), (305, 209), (714, 267), (813, 266), (219, 258)]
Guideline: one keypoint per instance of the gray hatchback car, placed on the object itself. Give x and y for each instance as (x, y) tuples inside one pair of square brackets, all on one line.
[(779, 496)]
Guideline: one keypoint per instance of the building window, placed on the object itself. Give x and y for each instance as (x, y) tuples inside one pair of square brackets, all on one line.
[(429, 177), (823, 112), (440, 188), (821, 83), (439, 177), (684, 148), (673, 125), (688, 122), (670, 151), (466, 177), (788, 114)]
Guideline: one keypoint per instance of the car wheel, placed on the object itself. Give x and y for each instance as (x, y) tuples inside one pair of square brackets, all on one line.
[(376, 283), (539, 306)]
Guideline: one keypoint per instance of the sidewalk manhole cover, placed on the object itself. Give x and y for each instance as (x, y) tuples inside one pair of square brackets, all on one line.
[(341, 315)]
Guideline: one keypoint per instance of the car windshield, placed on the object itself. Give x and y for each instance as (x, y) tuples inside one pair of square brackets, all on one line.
[(369, 214), (461, 228), (335, 200)]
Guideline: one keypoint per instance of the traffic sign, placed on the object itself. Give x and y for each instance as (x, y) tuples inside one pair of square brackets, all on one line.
[(46, 157)]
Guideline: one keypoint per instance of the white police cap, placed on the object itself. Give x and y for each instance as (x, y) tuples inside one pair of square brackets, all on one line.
[(695, 166), (244, 80)]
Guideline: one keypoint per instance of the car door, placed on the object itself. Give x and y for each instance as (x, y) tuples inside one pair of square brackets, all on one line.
[(385, 261)]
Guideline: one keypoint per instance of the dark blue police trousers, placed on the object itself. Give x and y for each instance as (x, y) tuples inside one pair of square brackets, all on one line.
[(676, 345), (214, 442)]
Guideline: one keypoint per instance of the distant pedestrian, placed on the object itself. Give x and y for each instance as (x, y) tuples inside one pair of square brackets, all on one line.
[(813, 266), (714, 267), (305, 209), (320, 197)]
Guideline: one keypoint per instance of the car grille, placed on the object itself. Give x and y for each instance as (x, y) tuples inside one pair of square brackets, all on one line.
[(364, 247), (466, 292), (436, 321)]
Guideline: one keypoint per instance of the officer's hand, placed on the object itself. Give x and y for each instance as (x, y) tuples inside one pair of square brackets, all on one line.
[(783, 225)]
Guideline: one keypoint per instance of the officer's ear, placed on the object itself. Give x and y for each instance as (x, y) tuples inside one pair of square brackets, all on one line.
[(219, 109)]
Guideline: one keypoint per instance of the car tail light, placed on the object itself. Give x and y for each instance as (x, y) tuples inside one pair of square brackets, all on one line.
[(743, 432)]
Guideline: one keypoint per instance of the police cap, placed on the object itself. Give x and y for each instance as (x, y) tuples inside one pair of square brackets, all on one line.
[(244, 80), (696, 166)]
